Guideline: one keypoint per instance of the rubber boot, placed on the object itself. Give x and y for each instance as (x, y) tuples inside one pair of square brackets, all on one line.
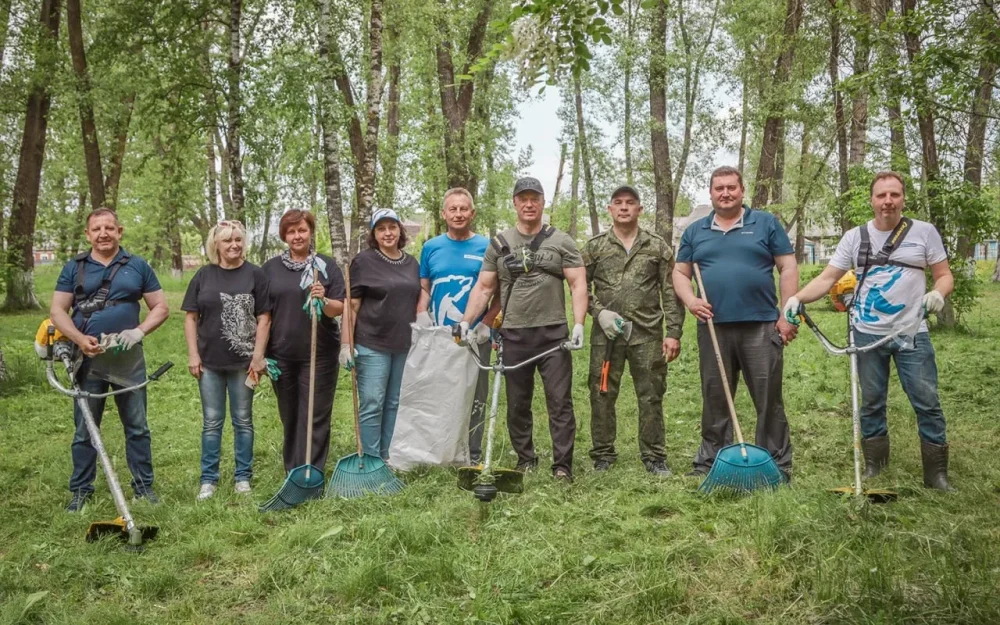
[(935, 459), (876, 451)]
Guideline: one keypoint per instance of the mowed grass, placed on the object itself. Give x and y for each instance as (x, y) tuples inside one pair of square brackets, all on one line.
[(614, 548)]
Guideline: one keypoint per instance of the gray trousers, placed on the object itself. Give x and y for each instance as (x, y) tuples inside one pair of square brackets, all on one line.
[(754, 349), (479, 404)]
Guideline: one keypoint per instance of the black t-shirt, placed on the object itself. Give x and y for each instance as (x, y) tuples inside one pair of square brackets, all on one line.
[(228, 302), (290, 333), (389, 290)]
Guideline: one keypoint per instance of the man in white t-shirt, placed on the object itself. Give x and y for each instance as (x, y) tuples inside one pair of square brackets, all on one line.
[(892, 295)]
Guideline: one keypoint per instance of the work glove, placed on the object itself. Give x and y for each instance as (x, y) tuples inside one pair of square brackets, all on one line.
[(272, 368), (933, 302), (347, 356), (463, 334), (611, 322), (576, 339), (424, 320), (792, 310), (131, 338), (479, 335)]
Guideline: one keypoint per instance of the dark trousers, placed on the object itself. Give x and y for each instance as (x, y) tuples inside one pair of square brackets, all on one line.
[(138, 452), (754, 349), (556, 370), (479, 404), (648, 369), (292, 390)]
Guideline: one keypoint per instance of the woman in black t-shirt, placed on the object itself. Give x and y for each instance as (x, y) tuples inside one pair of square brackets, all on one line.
[(385, 286), (290, 277), (226, 328)]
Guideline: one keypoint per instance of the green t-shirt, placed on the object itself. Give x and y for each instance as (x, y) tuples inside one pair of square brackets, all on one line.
[(537, 298)]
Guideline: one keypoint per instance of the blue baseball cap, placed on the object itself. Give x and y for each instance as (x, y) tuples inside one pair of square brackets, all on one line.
[(384, 213)]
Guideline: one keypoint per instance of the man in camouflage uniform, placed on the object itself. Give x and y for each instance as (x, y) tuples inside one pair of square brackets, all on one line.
[(629, 269)]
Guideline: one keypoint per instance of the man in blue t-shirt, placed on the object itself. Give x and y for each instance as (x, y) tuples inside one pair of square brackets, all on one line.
[(736, 249), (449, 267), (106, 301)]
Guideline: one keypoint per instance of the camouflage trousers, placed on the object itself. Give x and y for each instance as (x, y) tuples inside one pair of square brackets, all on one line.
[(648, 369)]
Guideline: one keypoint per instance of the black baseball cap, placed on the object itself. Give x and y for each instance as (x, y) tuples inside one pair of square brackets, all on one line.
[(626, 189), (528, 184)]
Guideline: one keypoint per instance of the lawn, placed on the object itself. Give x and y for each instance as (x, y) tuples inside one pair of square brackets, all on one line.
[(619, 547)]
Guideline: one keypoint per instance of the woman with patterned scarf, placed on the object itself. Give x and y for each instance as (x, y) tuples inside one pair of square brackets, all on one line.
[(291, 283)]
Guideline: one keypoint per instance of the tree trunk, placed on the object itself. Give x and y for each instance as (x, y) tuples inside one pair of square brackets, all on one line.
[(390, 154), (234, 99), (224, 188), (4, 23), (889, 57), (21, 229), (574, 190), (778, 187), (766, 166), (801, 196), (744, 116), (113, 180), (88, 128), (373, 104), (859, 101), (212, 195), (627, 79), (331, 150), (839, 120), (588, 179), (559, 174), (663, 185)]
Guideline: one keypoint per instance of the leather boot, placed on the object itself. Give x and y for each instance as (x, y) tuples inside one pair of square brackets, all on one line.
[(935, 459), (876, 451)]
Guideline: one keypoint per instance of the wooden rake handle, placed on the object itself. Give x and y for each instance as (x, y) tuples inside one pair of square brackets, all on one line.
[(722, 367), (349, 329), (312, 377)]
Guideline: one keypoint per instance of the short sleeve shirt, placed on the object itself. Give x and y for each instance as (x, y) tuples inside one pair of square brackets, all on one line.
[(452, 268), (538, 298), (289, 339), (389, 290), (891, 296), (737, 266), (227, 302), (133, 280)]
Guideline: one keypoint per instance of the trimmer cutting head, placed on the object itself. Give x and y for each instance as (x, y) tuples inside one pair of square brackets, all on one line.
[(873, 495), (117, 528), (502, 480)]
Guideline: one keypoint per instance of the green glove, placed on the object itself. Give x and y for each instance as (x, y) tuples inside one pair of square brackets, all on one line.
[(272, 369), (313, 307)]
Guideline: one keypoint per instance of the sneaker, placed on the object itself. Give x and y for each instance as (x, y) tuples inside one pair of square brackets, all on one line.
[(527, 466), (79, 500), (602, 464), (562, 475), (206, 492), (149, 495), (658, 468), (242, 487)]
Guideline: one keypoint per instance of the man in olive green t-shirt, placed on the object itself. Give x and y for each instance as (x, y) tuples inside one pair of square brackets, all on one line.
[(531, 261)]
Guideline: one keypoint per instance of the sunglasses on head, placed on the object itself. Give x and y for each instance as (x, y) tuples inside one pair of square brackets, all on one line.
[(231, 223)]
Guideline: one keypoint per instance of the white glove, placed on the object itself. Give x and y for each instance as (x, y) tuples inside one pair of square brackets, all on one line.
[(130, 338), (576, 339), (933, 302), (347, 356), (611, 322), (791, 310), (479, 335), (424, 320), (464, 334)]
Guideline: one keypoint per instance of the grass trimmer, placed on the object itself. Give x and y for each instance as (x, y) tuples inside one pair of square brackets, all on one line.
[(874, 495), (304, 482), (484, 480), (359, 474), (124, 527), (740, 467)]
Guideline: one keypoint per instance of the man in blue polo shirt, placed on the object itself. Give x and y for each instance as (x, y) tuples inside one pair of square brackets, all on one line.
[(449, 267), (106, 301), (737, 249)]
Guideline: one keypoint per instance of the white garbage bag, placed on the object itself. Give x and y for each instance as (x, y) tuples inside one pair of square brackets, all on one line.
[(435, 400)]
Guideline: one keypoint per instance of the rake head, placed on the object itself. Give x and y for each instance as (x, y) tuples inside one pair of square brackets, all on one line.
[(302, 484), (357, 476), (735, 472)]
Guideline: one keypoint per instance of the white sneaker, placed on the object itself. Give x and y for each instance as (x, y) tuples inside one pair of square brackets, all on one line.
[(243, 487), (206, 492)]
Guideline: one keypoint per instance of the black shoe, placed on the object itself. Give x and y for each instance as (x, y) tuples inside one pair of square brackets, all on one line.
[(149, 495), (602, 464), (79, 500), (658, 468), (562, 475), (696, 473), (786, 475), (475, 459), (527, 466)]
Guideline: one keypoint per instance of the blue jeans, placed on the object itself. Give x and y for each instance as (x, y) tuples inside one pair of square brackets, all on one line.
[(214, 386), (380, 375), (917, 373), (138, 453)]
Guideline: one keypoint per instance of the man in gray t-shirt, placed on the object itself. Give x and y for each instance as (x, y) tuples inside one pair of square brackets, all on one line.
[(531, 260)]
